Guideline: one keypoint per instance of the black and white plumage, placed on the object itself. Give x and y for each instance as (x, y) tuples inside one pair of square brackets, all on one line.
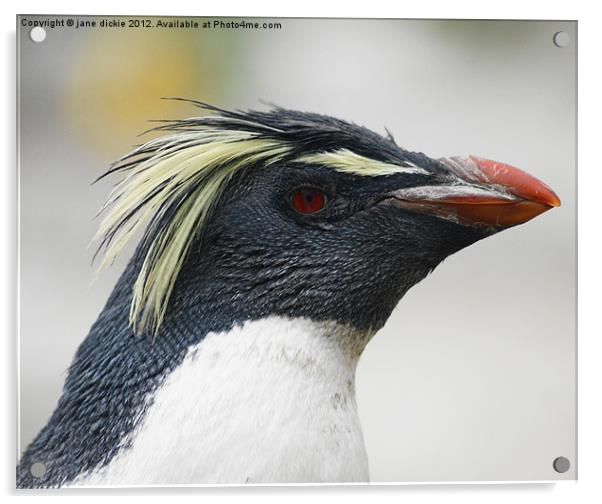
[(276, 244)]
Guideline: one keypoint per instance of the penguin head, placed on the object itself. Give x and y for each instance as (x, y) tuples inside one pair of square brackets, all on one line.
[(300, 214)]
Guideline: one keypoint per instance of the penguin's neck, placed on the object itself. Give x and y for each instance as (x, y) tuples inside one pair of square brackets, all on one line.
[(268, 401)]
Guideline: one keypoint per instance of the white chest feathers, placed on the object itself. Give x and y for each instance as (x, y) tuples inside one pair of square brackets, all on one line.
[(271, 401)]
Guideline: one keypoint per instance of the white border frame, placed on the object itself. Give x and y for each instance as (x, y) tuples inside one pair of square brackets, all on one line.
[(590, 369)]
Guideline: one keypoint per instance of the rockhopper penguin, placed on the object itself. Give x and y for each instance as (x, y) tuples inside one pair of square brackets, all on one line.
[(275, 245)]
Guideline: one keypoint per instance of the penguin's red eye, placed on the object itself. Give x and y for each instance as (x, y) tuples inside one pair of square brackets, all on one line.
[(308, 200)]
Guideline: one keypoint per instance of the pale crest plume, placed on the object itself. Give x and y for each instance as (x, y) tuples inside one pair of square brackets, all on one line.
[(173, 184), (347, 161)]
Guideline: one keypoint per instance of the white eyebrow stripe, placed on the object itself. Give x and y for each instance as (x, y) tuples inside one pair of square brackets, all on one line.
[(347, 161)]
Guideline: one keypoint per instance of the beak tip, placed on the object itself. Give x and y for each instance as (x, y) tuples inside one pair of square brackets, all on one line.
[(548, 197)]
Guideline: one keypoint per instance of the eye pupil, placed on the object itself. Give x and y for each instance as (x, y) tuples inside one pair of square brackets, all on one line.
[(308, 200)]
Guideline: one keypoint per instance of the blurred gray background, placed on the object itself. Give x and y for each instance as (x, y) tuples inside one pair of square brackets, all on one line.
[(473, 377)]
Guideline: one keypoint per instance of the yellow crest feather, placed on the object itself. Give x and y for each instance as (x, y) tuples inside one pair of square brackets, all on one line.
[(190, 172), (347, 161)]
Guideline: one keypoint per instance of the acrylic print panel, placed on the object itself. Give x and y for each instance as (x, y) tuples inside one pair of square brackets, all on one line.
[(279, 322)]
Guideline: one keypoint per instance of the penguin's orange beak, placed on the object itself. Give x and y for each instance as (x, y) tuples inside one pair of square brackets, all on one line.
[(487, 193)]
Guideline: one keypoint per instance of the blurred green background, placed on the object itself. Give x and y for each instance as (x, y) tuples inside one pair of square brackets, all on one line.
[(473, 378)]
